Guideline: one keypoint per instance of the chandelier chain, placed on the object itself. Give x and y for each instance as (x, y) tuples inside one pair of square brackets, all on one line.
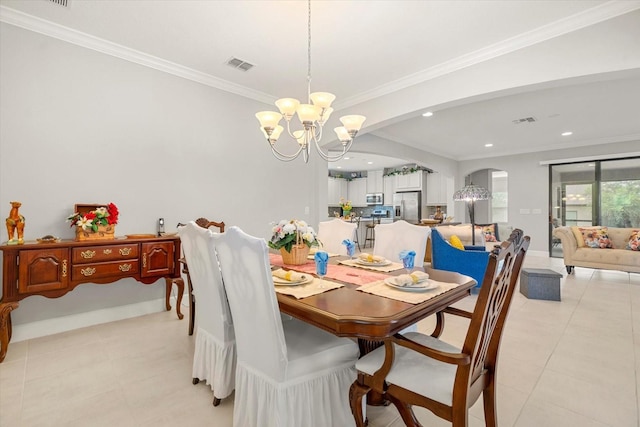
[(309, 52)]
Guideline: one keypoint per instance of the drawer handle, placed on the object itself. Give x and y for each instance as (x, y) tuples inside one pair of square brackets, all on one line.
[(107, 251), (88, 271), (64, 268), (125, 251), (124, 267), (144, 260), (88, 254)]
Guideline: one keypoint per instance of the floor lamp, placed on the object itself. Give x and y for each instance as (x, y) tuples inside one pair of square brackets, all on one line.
[(470, 193)]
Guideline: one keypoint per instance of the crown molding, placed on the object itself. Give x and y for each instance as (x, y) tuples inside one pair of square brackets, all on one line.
[(48, 28), (558, 28), (563, 26)]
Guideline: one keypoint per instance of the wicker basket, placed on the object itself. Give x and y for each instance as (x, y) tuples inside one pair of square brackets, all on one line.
[(105, 232), (297, 256)]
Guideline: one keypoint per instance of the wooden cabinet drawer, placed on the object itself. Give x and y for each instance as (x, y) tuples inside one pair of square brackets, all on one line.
[(113, 269), (93, 254)]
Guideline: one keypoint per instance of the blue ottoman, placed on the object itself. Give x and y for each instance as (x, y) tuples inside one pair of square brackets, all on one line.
[(539, 283)]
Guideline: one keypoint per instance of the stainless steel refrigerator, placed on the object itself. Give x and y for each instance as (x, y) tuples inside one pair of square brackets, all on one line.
[(407, 206)]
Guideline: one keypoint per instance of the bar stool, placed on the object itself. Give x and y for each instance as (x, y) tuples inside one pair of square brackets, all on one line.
[(356, 240), (370, 233)]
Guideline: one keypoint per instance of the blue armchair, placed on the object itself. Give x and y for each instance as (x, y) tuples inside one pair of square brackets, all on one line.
[(471, 262)]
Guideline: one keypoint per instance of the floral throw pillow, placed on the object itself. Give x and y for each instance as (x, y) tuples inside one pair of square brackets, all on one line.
[(596, 237), (489, 232), (634, 241)]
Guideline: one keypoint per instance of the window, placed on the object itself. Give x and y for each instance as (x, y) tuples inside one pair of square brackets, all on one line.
[(603, 192)]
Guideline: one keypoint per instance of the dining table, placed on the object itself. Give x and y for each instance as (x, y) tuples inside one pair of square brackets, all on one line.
[(355, 301)]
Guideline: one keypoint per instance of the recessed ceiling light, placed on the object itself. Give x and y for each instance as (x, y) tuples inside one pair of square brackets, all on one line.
[(427, 114), (346, 158), (567, 133), (488, 145), (338, 167), (369, 163)]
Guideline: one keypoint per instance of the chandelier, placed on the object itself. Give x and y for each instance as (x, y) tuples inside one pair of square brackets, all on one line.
[(313, 115)]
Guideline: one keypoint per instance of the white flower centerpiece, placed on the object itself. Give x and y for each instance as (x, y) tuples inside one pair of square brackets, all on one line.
[(293, 238)]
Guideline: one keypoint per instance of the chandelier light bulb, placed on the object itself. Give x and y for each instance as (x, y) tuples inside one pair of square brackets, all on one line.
[(300, 137), (352, 123), (322, 99), (324, 116), (308, 113), (287, 107), (343, 134), (268, 119)]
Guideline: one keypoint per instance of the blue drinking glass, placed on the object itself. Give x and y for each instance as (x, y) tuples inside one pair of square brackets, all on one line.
[(322, 259), (351, 247), (407, 258)]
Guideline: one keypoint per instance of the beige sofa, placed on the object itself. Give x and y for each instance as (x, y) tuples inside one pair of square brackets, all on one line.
[(618, 258)]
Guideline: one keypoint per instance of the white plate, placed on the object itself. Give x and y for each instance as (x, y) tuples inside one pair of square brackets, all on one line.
[(373, 264), (283, 282), (424, 286)]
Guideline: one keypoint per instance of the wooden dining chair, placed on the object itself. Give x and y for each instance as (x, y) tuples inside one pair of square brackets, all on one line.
[(288, 373), (424, 371), (214, 358), (332, 233), (204, 223)]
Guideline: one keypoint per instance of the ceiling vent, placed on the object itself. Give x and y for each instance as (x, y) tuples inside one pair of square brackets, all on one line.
[(239, 64), (64, 3), (524, 120)]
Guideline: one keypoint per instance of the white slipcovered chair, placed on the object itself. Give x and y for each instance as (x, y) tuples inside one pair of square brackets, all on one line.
[(393, 238), (288, 374), (214, 359), (332, 233)]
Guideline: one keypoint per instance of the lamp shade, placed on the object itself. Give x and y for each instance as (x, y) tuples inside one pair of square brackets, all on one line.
[(471, 193)]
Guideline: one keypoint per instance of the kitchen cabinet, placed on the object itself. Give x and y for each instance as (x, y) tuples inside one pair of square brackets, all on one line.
[(357, 190), (410, 181), (374, 182), (440, 191), (337, 188), (389, 184)]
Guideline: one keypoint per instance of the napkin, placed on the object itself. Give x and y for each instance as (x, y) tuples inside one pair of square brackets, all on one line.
[(409, 280), (289, 275), (351, 246), (370, 257)]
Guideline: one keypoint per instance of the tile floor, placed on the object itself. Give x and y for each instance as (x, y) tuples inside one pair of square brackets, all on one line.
[(569, 363)]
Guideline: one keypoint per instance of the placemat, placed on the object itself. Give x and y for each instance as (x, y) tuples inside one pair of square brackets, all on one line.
[(381, 289), (383, 268), (303, 291)]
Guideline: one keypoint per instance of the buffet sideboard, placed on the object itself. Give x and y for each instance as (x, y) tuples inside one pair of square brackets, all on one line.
[(54, 269)]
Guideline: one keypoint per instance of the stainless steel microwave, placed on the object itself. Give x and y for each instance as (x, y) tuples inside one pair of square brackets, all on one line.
[(375, 199)]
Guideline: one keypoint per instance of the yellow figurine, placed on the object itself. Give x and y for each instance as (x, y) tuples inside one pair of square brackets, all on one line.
[(15, 222)]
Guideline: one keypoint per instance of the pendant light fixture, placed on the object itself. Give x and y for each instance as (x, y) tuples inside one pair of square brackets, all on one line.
[(313, 116)]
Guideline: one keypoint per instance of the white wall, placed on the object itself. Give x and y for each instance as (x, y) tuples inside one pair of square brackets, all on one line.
[(78, 126)]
